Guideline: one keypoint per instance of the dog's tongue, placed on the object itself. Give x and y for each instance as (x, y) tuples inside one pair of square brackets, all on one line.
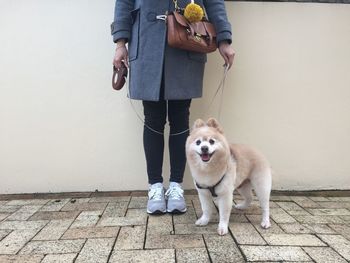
[(205, 157)]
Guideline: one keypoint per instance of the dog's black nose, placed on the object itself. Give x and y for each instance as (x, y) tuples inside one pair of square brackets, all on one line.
[(204, 149)]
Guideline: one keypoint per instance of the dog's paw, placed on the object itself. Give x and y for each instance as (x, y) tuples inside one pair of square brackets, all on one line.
[(266, 224), (222, 229), (203, 221), (241, 206)]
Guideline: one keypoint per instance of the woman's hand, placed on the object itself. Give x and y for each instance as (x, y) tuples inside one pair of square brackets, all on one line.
[(121, 55), (227, 52)]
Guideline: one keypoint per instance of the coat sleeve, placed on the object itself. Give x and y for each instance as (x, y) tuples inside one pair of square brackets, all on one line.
[(121, 26), (217, 15)]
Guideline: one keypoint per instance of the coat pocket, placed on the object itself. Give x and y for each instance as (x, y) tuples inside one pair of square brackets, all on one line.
[(134, 39), (197, 56)]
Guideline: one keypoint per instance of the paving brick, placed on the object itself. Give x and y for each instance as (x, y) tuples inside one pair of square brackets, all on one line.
[(121, 221), (181, 229), (161, 225), (115, 209), (95, 250), (53, 247), (53, 230), (237, 218), (28, 202), (14, 241), (222, 249), (4, 215), (55, 204), (105, 199), (293, 240), (256, 220), (130, 238), (319, 219), (192, 255), (334, 204), (343, 230), (91, 232), (174, 241), (324, 255), (9, 208), (80, 200), (297, 228), (186, 218), (85, 206), (140, 213), (60, 258), (191, 197), (253, 209), (143, 256), (23, 224), (280, 216), (319, 198), (345, 218), (292, 208), (24, 212), (4, 233), (280, 198), (277, 253), (138, 202), (245, 233), (111, 194), (21, 258), (282, 261), (54, 215), (327, 212), (86, 219), (340, 199), (3, 202), (305, 202), (338, 243)]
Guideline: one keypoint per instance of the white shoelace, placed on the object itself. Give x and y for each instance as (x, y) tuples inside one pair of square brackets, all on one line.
[(155, 194), (174, 193)]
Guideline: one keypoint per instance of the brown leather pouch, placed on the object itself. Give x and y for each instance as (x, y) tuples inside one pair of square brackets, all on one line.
[(199, 36), (121, 75)]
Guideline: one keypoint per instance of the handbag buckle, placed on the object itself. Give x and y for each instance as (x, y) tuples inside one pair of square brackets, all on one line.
[(161, 17), (197, 37)]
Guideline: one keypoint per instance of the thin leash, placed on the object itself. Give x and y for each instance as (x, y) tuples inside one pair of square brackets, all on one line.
[(221, 86)]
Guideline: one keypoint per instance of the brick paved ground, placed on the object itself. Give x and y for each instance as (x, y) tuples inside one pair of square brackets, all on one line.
[(82, 227)]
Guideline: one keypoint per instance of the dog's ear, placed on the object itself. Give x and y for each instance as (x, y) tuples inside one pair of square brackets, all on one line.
[(211, 122), (198, 123)]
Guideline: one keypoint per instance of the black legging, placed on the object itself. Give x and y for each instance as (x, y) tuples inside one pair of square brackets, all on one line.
[(155, 117)]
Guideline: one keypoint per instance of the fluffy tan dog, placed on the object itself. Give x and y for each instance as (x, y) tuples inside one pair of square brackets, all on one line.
[(218, 168)]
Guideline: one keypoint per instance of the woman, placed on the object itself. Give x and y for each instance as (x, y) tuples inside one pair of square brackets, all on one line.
[(165, 79)]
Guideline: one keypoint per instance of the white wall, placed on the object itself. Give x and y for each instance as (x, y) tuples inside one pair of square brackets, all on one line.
[(63, 128)]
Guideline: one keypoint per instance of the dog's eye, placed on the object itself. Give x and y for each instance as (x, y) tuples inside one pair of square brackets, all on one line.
[(198, 142), (211, 141)]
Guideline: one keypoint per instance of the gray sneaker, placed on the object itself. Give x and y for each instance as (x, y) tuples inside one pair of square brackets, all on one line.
[(156, 201), (176, 200)]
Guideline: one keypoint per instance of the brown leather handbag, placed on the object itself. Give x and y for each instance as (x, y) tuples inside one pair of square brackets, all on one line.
[(121, 75), (198, 36)]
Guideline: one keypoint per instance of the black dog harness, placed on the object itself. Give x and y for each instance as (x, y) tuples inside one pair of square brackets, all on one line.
[(211, 188)]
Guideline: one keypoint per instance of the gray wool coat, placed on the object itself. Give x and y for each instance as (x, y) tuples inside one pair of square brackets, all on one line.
[(150, 56)]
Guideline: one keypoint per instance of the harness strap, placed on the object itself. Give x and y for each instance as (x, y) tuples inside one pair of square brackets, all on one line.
[(211, 188)]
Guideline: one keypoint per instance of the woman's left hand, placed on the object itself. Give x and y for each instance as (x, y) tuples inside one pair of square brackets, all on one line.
[(227, 53)]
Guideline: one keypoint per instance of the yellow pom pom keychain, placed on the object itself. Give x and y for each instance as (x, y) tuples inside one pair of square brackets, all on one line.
[(193, 12)]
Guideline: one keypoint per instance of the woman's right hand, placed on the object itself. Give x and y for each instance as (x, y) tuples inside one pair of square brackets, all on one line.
[(121, 55)]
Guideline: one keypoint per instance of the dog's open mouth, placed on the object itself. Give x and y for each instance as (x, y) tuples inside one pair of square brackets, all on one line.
[(206, 156)]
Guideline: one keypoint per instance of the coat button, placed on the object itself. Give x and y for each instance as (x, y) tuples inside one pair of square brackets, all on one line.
[(151, 16)]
